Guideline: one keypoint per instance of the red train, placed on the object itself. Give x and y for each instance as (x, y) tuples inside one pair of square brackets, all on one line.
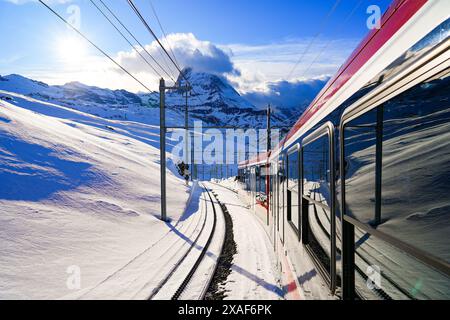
[(356, 198)]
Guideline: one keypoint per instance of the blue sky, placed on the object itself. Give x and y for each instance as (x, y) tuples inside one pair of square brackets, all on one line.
[(253, 43)]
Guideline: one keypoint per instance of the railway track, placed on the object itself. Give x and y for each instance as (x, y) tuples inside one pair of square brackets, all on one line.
[(171, 283), (220, 185)]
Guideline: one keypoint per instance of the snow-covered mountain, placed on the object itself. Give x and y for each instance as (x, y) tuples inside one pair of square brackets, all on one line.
[(212, 100), (111, 104)]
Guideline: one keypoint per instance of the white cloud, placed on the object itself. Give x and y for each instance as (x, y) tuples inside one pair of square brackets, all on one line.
[(250, 68), (287, 93), (202, 56), (262, 65)]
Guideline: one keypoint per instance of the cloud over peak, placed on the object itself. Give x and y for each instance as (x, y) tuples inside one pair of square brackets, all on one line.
[(290, 94), (201, 56)]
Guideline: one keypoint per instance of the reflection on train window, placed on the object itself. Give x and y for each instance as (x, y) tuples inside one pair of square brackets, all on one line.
[(397, 180), (416, 156), (316, 200), (293, 189), (360, 157), (260, 187), (383, 271), (316, 170)]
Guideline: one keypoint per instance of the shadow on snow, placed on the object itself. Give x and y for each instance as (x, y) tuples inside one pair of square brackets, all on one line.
[(31, 172)]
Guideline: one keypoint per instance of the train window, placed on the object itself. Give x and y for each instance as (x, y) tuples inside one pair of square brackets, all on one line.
[(383, 271), (293, 210), (416, 156), (316, 213), (360, 159), (261, 176), (280, 195), (258, 179), (397, 182), (262, 179), (316, 170)]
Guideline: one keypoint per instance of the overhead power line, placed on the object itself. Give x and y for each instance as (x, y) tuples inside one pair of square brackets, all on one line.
[(135, 39), (163, 32), (126, 39), (321, 26), (350, 15), (344, 23), (95, 46), (144, 22), (138, 13)]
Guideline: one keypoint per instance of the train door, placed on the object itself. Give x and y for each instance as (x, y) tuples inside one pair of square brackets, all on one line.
[(277, 199), (318, 201), (292, 188), (253, 186), (272, 197), (275, 202), (282, 204)]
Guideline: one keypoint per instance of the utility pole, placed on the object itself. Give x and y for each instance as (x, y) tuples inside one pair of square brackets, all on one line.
[(269, 147), (186, 133), (193, 166), (269, 143), (162, 139), (162, 147)]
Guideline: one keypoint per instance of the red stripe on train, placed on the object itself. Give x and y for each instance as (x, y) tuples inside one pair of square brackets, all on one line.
[(395, 17)]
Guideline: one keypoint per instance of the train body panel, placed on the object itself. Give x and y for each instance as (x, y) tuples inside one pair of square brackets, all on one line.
[(357, 195)]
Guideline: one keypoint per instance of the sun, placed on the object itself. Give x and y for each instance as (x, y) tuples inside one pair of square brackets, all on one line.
[(71, 50)]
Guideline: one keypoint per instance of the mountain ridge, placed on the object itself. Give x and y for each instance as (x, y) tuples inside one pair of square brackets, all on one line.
[(212, 100)]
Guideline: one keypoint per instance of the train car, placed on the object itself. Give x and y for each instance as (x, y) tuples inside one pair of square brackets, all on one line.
[(356, 197)]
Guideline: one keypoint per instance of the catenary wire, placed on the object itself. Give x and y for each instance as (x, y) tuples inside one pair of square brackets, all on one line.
[(125, 38), (321, 26), (135, 39), (95, 46)]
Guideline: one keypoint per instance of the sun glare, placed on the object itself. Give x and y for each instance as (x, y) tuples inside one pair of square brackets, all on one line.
[(71, 50)]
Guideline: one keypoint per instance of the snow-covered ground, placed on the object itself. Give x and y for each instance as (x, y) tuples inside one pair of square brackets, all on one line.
[(254, 272), (78, 192), (79, 196)]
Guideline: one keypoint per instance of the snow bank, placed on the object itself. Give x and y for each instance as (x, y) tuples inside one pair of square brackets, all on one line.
[(75, 190)]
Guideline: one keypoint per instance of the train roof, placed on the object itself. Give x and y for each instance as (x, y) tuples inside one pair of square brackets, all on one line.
[(398, 13), (259, 159)]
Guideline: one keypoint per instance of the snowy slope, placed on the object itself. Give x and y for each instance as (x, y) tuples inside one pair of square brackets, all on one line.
[(111, 104), (76, 189), (79, 172), (213, 101)]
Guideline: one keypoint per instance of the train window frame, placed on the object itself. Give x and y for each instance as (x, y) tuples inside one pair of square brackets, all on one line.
[(326, 129), (297, 230), (433, 63)]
